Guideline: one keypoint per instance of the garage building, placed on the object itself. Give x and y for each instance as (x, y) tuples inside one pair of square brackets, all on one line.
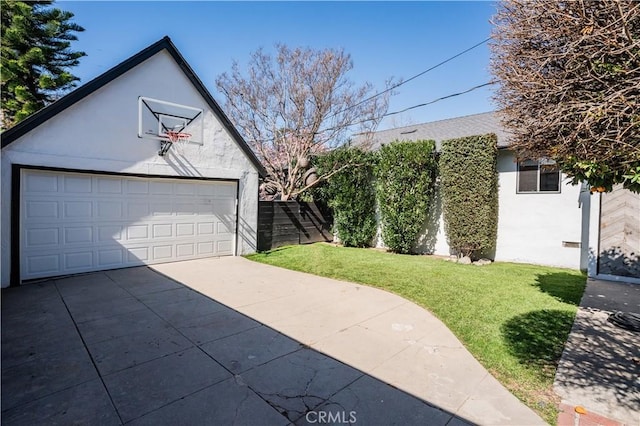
[(93, 181)]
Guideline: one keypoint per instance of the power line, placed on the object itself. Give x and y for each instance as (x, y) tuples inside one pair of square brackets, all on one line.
[(415, 106), (395, 86), (440, 99)]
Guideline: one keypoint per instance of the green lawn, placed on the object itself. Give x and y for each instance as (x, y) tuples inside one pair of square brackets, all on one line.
[(514, 318)]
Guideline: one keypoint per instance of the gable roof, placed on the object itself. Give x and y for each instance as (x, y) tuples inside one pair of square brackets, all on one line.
[(441, 130), (34, 120)]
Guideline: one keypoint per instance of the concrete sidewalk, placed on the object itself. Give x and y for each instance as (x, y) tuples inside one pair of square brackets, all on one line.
[(374, 331), (600, 366)]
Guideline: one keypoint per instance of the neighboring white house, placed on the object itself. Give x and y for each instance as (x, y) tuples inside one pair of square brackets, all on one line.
[(84, 188), (543, 219)]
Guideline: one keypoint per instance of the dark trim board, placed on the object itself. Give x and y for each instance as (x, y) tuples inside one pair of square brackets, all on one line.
[(16, 186), (237, 212), (15, 225), (107, 173), (36, 119)]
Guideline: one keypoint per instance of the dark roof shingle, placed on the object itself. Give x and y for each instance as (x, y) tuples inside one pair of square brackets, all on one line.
[(441, 130)]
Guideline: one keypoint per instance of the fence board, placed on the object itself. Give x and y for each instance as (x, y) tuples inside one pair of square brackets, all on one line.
[(291, 222)]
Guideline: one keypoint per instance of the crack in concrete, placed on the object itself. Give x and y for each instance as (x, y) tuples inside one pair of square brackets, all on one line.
[(235, 417), (291, 413)]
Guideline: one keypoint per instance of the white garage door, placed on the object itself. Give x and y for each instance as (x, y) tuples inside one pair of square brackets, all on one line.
[(73, 222)]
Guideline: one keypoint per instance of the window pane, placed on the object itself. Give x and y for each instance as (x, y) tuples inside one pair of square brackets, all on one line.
[(549, 178), (528, 177)]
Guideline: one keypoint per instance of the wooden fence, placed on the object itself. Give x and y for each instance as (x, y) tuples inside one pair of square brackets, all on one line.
[(283, 223)]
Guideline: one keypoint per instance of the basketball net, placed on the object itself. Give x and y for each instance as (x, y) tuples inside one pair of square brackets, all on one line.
[(178, 140)]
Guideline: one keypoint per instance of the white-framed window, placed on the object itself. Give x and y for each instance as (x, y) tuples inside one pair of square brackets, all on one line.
[(538, 176)]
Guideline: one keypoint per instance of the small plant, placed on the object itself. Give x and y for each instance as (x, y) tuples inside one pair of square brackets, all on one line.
[(405, 175)]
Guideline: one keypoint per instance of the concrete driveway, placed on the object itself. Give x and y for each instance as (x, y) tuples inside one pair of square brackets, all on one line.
[(228, 341)]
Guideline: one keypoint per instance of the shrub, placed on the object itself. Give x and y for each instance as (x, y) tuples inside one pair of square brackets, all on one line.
[(469, 182), (405, 175), (350, 194)]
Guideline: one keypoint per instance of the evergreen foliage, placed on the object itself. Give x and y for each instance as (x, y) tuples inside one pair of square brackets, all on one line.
[(350, 193), (35, 57), (469, 185), (405, 175)]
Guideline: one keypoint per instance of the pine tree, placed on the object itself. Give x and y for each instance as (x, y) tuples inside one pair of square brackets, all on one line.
[(35, 57)]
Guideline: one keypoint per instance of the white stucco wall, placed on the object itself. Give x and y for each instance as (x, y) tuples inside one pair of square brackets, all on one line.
[(531, 227), (99, 133)]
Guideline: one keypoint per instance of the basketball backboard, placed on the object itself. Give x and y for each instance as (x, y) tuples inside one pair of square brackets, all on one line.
[(157, 117)]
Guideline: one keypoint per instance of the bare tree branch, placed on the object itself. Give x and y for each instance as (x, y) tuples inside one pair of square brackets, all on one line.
[(569, 74), (294, 105)]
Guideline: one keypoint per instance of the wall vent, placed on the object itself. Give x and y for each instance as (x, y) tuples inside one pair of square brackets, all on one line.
[(571, 244)]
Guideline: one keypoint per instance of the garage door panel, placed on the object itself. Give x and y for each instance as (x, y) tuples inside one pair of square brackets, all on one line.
[(48, 263), (204, 209), (109, 209), (109, 185), (223, 207), (206, 228), (161, 188), (110, 257), (78, 235), (183, 209), (206, 248), (187, 250), (138, 254), (137, 187), (162, 230), (38, 237), (162, 252), (41, 183), (78, 209), (206, 190), (161, 209), (224, 246), (137, 210), (42, 210), (185, 189), (73, 222), (78, 261), (225, 191), (108, 233), (137, 232), (77, 184), (184, 229)]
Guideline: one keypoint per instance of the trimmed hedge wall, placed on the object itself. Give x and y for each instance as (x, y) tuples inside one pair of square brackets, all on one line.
[(350, 194), (469, 185), (405, 175)]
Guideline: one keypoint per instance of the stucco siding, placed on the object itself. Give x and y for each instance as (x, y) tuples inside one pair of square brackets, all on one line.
[(533, 227), (99, 133)]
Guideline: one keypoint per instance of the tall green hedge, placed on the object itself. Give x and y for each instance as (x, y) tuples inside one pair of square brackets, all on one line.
[(469, 185), (405, 175), (350, 194)]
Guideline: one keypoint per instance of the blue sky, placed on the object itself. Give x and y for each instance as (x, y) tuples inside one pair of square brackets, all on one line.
[(384, 39)]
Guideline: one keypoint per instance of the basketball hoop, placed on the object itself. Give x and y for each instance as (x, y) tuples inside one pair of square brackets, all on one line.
[(175, 138)]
